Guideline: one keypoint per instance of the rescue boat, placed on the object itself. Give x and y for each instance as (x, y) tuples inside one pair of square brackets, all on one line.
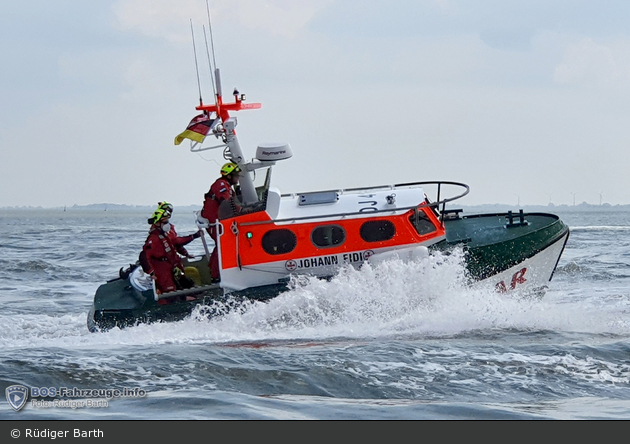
[(266, 238)]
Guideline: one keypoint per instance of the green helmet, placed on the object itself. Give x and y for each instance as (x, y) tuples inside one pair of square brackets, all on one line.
[(158, 215), (165, 206), (230, 168)]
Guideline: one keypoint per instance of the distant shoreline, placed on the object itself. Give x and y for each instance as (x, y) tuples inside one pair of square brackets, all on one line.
[(485, 208), (101, 207)]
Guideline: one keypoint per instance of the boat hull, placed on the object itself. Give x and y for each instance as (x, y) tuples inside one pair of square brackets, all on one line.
[(118, 304), (509, 255)]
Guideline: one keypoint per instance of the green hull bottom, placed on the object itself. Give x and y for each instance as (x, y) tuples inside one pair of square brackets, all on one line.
[(118, 304)]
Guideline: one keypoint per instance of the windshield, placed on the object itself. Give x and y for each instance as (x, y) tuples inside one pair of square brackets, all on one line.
[(262, 179)]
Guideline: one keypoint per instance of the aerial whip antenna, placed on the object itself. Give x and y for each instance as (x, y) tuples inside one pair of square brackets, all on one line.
[(196, 64), (214, 61), (214, 90), (211, 38)]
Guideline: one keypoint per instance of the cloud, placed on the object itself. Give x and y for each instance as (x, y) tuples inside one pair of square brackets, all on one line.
[(163, 18), (159, 18), (588, 63), (435, 85)]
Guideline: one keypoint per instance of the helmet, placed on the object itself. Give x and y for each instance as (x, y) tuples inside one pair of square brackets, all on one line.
[(165, 206), (158, 215), (229, 168)]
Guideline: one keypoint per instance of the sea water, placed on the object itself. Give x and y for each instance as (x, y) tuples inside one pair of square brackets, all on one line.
[(393, 341)]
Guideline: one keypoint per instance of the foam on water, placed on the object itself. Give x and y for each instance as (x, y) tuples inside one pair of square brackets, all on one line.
[(600, 228), (429, 297)]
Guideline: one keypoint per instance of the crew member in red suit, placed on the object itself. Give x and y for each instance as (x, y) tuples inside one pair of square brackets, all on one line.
[(160, 257), (178, 241), (220, 191)]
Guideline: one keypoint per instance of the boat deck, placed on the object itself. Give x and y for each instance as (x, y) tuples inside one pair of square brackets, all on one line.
[(485, 229)]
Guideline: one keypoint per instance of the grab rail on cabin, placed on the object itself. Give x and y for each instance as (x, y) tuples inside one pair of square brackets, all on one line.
[(427, 203), (442, 202)]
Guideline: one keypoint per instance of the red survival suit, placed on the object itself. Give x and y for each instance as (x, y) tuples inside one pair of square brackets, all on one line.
[(220, 190), (179, 241), (159, 256)]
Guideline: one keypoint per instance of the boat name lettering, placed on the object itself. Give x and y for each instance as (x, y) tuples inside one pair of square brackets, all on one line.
[(371, 206), (517, 278), (323, 261), (358, 256)]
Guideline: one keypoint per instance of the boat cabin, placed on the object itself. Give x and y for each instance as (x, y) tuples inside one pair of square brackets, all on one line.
[(316, 233)]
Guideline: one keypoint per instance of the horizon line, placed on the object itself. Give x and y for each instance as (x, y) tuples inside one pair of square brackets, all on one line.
[(100, 206)]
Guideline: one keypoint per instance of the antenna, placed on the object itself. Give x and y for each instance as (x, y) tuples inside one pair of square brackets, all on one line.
[(214, 90), (196, 64), (214, 61)]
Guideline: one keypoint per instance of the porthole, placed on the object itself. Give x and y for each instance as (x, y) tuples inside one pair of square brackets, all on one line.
[(279, 241), (328, 236), (377, 230)]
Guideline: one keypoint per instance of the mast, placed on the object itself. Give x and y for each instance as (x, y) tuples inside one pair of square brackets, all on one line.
[(235, 153), (228, 128)]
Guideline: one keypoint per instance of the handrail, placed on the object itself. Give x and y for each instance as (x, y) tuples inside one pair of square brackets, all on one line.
[(392, 210), (389, 187), (439, 183)]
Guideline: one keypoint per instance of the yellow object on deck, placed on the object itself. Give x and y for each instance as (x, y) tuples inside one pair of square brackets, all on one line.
[(193, 273)]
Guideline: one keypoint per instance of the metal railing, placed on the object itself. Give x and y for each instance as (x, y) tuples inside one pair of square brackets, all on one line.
[(439, 201)]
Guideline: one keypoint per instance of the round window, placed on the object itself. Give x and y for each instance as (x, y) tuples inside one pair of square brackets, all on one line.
[(377, 230), (328, 236), (279, 241)]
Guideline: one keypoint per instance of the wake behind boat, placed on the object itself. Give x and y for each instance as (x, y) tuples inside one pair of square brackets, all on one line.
[(265, 237)]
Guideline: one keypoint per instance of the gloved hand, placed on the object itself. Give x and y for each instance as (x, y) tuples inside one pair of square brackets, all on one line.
[(197, 234)]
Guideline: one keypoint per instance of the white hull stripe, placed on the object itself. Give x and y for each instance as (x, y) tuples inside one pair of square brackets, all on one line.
[(532, 274)]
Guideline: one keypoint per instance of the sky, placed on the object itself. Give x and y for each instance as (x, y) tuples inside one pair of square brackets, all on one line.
[(526, 101)]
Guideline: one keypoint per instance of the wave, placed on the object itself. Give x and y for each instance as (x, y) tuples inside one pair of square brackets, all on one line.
[(41, 272), (593, 271), (601, 228), (427, 298)]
